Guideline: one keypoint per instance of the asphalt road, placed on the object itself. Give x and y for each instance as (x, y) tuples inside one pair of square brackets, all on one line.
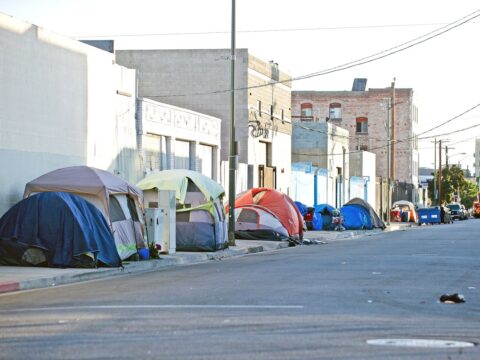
[(309, 302)]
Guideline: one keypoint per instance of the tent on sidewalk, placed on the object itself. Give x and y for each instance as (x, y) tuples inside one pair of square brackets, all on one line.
[(256, 224), (407, 208), (326, 212), (358, 214), (201, 223), (119, 201), (56, 229)]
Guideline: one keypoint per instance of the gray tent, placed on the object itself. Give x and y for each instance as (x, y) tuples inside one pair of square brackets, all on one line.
[(120, 202)]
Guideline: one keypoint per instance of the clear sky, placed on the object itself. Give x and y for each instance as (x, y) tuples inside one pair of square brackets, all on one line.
[(308, 36)]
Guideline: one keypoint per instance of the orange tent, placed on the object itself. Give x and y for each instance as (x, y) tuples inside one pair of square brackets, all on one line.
[(281, 205)]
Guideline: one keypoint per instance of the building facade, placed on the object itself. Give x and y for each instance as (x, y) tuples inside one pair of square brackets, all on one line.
[(477, 160), (63, 103), (200, 80), (324, 146), (365, 114), (174, 138)]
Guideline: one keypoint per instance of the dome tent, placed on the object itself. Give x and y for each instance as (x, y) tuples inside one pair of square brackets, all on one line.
[(63, 229), (201, 223), (119, 201), (279, 205), (358, 214)]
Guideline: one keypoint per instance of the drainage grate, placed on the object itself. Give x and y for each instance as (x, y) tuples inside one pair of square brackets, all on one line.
[(424, 343)]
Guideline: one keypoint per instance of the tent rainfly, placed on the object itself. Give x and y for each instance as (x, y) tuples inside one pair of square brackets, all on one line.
[(119, 201), (201, 223)]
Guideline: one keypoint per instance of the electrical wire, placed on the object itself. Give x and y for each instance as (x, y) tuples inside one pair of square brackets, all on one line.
[(352, 27), (368, 59)]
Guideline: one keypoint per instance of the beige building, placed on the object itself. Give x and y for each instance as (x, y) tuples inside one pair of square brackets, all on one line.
[(365, 114), (200, 80)]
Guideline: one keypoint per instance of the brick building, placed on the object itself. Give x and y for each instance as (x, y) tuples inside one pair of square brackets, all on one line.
[(365, 113)]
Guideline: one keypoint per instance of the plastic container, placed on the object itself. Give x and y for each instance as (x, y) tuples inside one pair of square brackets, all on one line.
[(144, 253)]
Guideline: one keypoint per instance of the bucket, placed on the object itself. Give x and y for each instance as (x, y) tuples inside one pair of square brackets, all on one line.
[(144, 253)]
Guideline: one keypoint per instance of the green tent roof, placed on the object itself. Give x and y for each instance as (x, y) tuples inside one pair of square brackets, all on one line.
[(178, 180)]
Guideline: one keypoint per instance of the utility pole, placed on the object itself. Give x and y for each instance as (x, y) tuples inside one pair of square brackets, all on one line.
[(435, 175), (440, 172), (388, 160), (392, 151), (232, 161), (446, 157), (343, 177)]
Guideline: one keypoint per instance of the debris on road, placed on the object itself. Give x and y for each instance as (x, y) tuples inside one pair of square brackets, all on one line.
[(452, 299)]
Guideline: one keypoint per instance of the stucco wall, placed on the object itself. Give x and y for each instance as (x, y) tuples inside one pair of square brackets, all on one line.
[(58, 99)]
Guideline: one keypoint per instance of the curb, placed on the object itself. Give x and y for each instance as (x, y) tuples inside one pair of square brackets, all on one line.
[(165, 261)]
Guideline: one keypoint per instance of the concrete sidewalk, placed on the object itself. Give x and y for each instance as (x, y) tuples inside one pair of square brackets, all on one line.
[(14, 278)]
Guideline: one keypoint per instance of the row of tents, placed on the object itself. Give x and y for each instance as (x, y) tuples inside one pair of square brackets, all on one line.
[(84, 217)]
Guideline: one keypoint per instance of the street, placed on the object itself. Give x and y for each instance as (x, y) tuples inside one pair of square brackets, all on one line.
[(308, 302)]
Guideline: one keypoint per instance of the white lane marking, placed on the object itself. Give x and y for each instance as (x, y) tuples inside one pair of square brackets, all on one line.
[(170, 306), (424, 343)]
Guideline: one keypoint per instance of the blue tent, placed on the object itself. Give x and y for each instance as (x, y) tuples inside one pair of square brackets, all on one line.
[(358, 214), (326, 211), (69, 231), (301, 207)]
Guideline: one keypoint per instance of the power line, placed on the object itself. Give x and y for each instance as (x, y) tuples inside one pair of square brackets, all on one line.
[(368, 59), (351, 27)]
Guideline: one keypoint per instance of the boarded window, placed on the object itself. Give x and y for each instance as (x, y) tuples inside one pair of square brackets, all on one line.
[(335, 111), (306, 112)]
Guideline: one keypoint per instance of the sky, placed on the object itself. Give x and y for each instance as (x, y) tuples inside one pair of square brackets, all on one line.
[(307, 37)]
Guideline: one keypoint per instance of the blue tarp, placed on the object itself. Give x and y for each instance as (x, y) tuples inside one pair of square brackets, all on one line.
[(301, 207), (64, 225), (326, 211), (356, 217)]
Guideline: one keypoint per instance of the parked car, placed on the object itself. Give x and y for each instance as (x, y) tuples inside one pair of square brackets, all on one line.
[(458, 211)]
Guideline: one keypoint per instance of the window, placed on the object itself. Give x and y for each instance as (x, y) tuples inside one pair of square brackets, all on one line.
[(362, 125), (362, 147), (116, 212), (335, 111), (271, 112), (259, 107), (306, 112)]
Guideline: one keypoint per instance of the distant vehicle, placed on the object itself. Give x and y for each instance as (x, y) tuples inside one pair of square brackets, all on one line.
[(458, 211), (476, 209)]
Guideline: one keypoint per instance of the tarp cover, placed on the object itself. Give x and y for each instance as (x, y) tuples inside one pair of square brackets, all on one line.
[(358, 214), (326, 212), (64, 225)]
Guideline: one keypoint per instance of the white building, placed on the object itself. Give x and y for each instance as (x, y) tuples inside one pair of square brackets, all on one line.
[(63, 103), (174, 138), (477, 160)]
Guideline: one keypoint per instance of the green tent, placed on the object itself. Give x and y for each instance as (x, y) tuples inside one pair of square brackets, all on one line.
[(201, 223)]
